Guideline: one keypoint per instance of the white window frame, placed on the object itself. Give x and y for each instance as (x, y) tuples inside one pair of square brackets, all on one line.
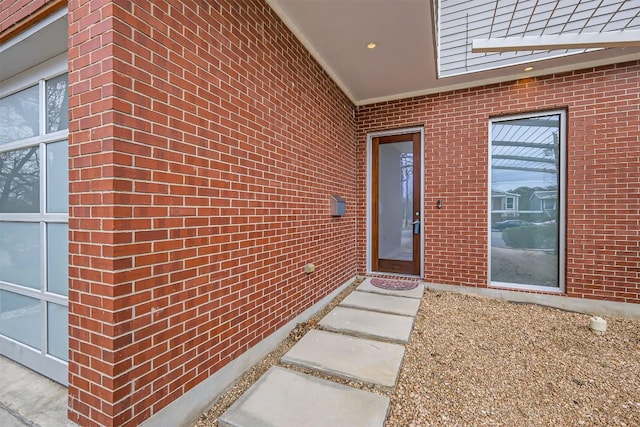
[(561, 203), (512, 200), (37, 359)]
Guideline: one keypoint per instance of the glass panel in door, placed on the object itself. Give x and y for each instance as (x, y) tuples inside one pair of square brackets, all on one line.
[(396, 243), (395, 218)]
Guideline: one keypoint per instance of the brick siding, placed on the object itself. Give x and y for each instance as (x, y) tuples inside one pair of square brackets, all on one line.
[(603, 175), (13, 12), (204, 146), (18, 15)]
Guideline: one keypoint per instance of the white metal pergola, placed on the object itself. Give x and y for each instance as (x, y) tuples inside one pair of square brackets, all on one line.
[(477, 35)]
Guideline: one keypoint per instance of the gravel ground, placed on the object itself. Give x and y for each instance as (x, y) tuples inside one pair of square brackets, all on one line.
[(474, 362)]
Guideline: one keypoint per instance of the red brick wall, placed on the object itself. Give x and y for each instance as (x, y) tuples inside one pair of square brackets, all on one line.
[(603, 175), (14, 11), (17, 15), (204, 143)]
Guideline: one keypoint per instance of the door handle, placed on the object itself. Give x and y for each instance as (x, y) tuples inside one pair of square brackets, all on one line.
[(416, 227)]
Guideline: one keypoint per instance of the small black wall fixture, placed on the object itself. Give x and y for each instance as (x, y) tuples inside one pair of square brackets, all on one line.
[(439, 204)]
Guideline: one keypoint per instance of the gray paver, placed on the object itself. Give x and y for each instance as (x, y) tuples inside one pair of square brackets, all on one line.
[(27, 398), (8, 420), (348, 357), (366, 286), (384, 303), (284, 398), (368, 324)]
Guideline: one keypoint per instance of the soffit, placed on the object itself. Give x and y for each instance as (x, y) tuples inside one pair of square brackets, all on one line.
[(405, 61), (34, 46)]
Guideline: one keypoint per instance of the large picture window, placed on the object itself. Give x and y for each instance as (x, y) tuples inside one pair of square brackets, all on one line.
[(526, 203), (34, 225)]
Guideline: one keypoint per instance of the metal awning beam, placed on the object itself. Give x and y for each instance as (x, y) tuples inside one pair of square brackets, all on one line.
[(554, 123), (604, 39), (512, 168), (523, 158), (524, 144)]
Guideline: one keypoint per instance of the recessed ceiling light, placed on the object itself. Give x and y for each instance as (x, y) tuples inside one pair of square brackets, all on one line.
[(529, 68), (371, 45)]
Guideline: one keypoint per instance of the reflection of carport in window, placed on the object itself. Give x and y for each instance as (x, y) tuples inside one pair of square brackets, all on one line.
[(525, 179)]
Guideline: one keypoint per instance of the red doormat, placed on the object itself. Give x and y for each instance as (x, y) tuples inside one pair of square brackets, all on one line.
[(394, 285)]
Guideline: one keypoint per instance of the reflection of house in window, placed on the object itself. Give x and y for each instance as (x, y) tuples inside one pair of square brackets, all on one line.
[(544, 202), (505, 203)]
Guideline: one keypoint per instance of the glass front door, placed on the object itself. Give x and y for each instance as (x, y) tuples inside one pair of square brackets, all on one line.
[(396, 204)]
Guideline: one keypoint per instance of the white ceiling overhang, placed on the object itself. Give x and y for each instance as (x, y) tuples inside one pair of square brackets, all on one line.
[(426, 46), (40, 42)]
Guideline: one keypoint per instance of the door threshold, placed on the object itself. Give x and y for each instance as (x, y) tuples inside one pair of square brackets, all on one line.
[(399, 275)]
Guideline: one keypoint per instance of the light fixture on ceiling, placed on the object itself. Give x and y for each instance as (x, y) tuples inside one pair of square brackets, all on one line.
[(371, 45), (529, 68)]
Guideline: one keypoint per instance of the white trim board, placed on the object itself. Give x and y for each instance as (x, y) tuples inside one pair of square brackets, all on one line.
[(558, 41)]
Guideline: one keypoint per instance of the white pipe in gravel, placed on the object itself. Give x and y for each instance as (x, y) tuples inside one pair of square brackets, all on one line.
[(598, 325)]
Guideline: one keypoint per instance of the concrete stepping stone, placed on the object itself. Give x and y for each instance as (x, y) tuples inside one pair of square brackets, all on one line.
[(368, 324), (383, 303), (366, 286), (284, 398), (348, 357)]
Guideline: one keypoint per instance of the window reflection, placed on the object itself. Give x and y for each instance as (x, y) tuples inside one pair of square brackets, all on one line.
[(20, 253), (58, 259), (57, 177), (20, 181), (57, 332), (19, 117), (20, 318), (525, 165), (57, 104), (395, 209)]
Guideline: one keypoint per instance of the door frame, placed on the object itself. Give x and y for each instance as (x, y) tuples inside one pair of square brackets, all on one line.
[(369, 226)]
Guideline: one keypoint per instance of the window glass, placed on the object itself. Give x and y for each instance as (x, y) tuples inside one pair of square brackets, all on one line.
[(525, 173), (20, 318), (57, 104), (33, 234), (57, 258), (395, 207), (19, 117), (57, 334), (20, 181), (20, 253), (57, 177)]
